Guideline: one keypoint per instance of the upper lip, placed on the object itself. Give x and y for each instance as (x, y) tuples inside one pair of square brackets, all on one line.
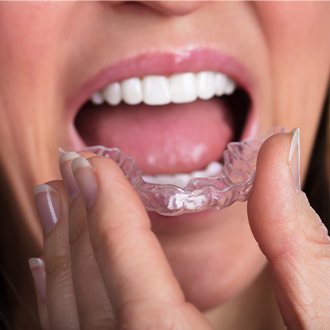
[(191, 59)]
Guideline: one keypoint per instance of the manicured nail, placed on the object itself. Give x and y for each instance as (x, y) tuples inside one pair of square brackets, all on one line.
[(294, 158), (86, 179), (67, 175), (48, 204), (37, 267)]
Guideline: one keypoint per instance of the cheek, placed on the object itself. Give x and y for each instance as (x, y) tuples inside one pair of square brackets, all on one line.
[(29, 39), (28, 47), (299, 52)]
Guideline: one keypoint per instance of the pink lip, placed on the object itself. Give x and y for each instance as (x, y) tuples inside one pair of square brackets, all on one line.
[(185, 60)]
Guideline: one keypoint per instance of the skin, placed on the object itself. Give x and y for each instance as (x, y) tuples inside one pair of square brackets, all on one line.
[(43, 48)]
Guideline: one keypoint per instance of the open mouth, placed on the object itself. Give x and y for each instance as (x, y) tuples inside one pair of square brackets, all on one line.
[(175, 127), (175, 122)]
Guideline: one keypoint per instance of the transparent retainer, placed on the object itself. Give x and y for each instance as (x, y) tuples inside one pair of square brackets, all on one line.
[(233, 182)]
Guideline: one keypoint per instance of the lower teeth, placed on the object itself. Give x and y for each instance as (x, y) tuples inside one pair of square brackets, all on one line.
[(181, 180)]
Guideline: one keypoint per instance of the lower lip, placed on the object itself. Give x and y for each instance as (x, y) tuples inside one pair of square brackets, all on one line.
[(195, 221)]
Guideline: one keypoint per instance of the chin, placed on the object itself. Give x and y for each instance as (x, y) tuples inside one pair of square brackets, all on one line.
[(213, 254)]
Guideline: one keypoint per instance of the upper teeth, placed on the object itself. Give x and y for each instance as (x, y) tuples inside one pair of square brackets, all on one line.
[(160, 90)]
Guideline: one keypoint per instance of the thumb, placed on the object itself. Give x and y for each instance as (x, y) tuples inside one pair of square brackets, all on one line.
[(291, 235)]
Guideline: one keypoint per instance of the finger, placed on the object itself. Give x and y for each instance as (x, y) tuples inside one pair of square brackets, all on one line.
[(138, 278), (93, 305), (52, 207), (291, 235), (67, 175), (37, 267)]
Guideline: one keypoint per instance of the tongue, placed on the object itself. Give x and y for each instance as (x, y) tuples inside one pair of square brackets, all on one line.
[(175, 138)]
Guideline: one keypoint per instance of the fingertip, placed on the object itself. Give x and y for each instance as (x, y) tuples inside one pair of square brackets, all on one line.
[(275, 148), (107, 167), (272, 185), (272, 206), (37, 267), (112, 179), (116, 195)]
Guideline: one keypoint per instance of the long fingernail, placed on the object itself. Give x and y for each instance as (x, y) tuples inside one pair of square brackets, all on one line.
[(294, 158), (67, 175), (48, 204), (86, 179), (37, 267)]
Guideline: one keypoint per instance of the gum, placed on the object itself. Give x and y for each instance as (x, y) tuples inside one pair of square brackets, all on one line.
[(233, 183)]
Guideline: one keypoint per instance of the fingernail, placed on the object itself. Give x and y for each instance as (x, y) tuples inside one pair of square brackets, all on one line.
[(67, 175), (294, 158), (48, 205), (37, 267), (86, 179)]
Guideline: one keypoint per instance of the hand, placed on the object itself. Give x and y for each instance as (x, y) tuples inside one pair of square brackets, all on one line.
[(105, 267), (106, 270), (291, 235)]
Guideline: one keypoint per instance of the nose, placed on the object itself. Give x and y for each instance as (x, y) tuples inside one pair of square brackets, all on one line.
[(169, 8)]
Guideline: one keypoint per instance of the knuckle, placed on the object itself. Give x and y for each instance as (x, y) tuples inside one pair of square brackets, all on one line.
[(97, 319), (78, 231), (57, 264), (148, 315)]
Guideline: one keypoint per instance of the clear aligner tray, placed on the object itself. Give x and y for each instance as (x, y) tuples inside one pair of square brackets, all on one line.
[(232, 183)]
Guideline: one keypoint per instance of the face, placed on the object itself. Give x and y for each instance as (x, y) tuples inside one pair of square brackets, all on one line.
[(55, 56)]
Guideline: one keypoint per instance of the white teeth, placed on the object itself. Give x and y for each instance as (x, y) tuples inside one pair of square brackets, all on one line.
[(213, 169), (183, 88), (205, 85), (230, 87), (156, 90), (132, 91), (181, 180), (160, 90), (97, 98), (220, 84), (112, 94)]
